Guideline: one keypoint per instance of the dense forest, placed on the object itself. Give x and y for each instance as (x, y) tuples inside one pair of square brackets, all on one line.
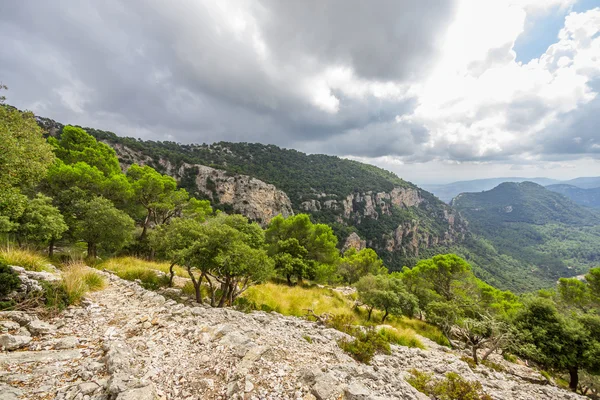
[(538, 228)]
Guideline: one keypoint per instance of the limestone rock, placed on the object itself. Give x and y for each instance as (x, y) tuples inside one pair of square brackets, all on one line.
[(38, 327), (143, 393), (11, 342), (354, 241)]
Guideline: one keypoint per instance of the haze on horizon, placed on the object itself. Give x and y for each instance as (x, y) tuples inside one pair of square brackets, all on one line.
[(436, 91)]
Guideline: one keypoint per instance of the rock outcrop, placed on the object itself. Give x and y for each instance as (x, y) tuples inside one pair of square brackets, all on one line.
[(251, 197), (355, 242)]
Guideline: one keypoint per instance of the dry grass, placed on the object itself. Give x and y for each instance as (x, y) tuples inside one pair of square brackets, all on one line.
[(131, 268), (25, 258), (295, 300), (78, 279)]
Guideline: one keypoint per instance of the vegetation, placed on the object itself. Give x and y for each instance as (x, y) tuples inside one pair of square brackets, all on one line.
[(21, 257), (9, 280), (548, 235), (78, 279), (452, 387)]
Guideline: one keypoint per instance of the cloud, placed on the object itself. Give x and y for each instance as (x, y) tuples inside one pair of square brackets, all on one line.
[(393, 80)]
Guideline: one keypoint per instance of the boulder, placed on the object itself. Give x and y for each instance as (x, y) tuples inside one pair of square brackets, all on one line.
[(12, 342), (38, 327), (143, 393)]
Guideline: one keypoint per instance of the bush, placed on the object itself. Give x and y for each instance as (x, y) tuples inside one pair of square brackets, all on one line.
[(365, 345), (9, 280), (509, 357), (452, 387), (27, 259), (469, 361), (244, 305), (492, 365)]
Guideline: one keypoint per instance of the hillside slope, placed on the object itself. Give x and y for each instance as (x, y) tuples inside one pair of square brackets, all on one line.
[(583, 197), (393, 216), (126, 342), (548, 233)]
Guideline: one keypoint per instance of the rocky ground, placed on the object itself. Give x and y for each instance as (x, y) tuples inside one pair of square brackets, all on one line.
[(127, 343)]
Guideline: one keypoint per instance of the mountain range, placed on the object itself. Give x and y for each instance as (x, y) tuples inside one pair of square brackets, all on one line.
[(446, 192)]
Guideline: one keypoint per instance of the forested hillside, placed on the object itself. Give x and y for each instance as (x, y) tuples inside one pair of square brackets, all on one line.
[(391, 215), (584, 197), (549, 235)]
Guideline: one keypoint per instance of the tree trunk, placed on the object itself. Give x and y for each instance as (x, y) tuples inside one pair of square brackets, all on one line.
[(370, 311), (289, 279), (51, 248), (145, 227), (198, 293), (171, 274), (475, 355), (384, 316), (197, 284), (574, 374), (91, 250)]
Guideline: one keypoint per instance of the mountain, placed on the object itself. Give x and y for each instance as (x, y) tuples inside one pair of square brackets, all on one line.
[(584, 182), (583, 197), (365, 205), (547, 233), (446, 192)]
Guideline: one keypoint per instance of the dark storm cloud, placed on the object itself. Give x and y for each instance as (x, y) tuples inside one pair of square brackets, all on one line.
[(176, 70)]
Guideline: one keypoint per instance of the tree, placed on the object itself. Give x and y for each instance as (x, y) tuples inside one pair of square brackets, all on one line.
[(157, 193), (24, 158), (230, 256), (557, 341), (476, 333), (41, 223), (387, 293), (298, 246), (355, 265), (445, 273), (100, 224), (76, 145), (169, 241)]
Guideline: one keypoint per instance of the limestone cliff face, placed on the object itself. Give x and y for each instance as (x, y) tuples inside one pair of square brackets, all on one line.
[(251, 197), (409, 219), (248, 196)]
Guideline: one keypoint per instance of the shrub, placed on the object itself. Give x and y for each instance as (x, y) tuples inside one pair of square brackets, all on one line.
[(243, 304), (420, 380), (343, 323), (509, 357), (451, 387), (365, 345), (24, 258), (307, 338), (9, 280), (469, 361)]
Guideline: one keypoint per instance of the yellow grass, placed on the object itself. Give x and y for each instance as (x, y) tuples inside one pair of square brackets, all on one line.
[(78, 279), (295, 300), (28, 259), (131, 263)]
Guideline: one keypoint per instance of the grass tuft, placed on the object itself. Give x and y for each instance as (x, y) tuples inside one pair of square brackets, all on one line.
[(28, 259), (78, 279)]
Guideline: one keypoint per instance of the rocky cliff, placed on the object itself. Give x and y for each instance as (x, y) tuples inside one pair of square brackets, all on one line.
[(251, 197), (400, 222)]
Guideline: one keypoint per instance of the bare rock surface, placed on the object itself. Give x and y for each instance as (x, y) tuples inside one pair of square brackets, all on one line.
[(127, 343)]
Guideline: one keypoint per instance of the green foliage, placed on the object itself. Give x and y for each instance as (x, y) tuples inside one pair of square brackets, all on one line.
[(100, 224), (24, 159), (76, 145), (9, 280), (548, 235), (452, 387), (387, 293), (298, 246), (365, 345), (355, 265), (28, 259), (41, 222)]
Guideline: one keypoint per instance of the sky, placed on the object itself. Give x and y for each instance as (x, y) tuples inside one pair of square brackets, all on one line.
[(435, 90)]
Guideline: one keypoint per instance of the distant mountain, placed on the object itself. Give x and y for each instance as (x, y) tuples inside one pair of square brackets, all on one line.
[(446, 192), (583, 197), (584, 182), (546, 232)]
